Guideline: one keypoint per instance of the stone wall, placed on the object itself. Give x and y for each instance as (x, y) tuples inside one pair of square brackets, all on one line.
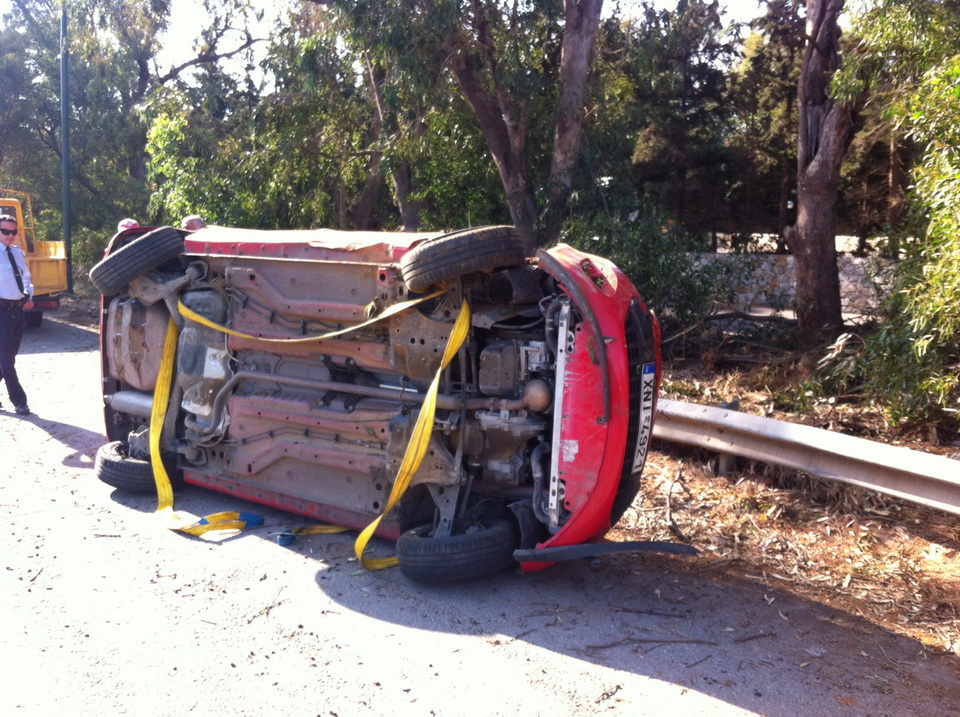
[(769, 280)]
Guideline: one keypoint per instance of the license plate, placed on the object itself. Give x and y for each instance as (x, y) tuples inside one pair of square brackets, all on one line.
[(648, 388)]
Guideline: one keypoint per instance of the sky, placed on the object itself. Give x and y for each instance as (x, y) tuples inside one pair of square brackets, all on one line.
[(188, 14)]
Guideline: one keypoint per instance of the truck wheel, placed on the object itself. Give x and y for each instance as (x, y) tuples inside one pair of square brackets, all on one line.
[(426, 559), (32, 319), (452, 255), (131, 260)]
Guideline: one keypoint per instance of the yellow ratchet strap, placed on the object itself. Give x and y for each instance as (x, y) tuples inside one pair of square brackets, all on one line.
[(228, 520), (288, 537), (417, 447), (391, 311)]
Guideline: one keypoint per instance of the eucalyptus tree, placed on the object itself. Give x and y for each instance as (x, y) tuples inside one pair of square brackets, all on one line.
[(908, 57), (115, 50), (293, 157), (825, 131), (680, 160), (521, 66), (764, 129)]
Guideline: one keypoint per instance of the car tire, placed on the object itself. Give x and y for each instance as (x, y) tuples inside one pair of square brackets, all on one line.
[(426, 559), (464, 252), (117, 469), (32, 319), (131, 260)]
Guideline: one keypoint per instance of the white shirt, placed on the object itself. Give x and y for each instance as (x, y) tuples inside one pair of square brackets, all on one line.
[(8, 282)]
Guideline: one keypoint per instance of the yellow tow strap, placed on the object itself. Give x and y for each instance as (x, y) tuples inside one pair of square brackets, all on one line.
[(183, 522), (417, 447), (230, 520), (391, 311)]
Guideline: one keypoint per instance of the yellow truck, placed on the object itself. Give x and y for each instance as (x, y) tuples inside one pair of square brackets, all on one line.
[(47, 260)]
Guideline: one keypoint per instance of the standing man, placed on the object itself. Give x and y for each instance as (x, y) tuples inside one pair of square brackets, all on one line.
[(16, 289)]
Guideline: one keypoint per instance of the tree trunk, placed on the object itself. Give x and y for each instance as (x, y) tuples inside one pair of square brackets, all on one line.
[(897, 190), (363, 216), (403, 193), (579, 37), (506, 141), (824, 136)]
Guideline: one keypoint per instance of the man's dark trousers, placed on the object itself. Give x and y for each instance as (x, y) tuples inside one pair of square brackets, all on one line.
[(11, 334)]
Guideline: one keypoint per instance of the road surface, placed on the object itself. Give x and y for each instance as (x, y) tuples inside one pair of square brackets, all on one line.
[(105, 612)]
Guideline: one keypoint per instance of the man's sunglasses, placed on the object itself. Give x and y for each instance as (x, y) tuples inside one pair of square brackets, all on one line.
[(8, 232)]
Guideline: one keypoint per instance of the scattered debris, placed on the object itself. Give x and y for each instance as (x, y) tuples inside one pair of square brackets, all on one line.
[(893, 563)]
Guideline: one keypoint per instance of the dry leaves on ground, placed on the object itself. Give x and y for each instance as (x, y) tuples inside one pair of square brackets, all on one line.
[(893, 563)]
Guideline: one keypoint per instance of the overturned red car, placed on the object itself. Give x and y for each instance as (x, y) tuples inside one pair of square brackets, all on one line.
[(311, 369)]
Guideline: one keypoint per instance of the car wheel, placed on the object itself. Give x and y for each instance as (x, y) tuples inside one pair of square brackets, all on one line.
[(452, 255), (131, 260), (427, 559), (116, 468), (32, 319)]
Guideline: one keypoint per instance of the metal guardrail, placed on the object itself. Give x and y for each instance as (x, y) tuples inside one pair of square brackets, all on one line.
[(914, 476)]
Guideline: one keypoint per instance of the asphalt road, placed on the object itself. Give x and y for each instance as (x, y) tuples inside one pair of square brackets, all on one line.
[(105, 612)]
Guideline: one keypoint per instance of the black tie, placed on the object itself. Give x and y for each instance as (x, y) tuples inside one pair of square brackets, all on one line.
[(16, 271)]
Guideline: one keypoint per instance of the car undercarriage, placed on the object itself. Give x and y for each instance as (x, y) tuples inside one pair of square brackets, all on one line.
[(303, 361)]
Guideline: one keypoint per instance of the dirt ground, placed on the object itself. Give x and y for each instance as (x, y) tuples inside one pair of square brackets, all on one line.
[(891, 562), (807, 600)]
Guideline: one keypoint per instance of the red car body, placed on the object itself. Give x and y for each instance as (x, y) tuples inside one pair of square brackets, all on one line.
[(542, 420)]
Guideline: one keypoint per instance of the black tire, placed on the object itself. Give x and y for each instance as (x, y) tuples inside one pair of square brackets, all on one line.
[(131, 260), (115, 468), (464, 252), (426, 559), (32, 319)]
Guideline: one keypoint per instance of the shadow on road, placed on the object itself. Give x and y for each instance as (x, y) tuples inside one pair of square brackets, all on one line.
[(82, 442), (746, 644), (740, 642), (55, 335)]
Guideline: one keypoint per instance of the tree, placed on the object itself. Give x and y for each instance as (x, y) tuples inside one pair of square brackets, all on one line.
[(507, 59), (764, 89), (680, 159), (910, 52), (298, 157), (114, 47), (824, 135)]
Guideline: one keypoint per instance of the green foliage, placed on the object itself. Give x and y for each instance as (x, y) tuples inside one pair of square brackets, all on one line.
[(763, 134), (671, 64), (458, 185), (655, 253), (908, 57)]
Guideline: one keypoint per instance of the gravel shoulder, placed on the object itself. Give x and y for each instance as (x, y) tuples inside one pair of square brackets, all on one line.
[(107, 612)]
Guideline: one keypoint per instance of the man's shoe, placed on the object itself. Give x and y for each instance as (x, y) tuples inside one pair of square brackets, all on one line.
[(23, 411)]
